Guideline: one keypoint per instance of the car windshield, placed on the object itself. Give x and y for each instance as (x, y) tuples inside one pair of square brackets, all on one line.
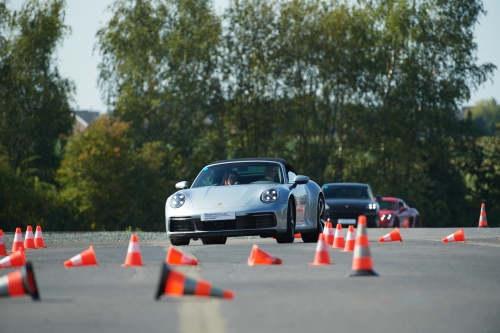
[(239, 173), (347, 192), (388, 205)]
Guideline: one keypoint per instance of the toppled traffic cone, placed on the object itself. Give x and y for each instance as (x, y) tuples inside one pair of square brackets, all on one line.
[(39, 243), (322, 257), (19, 283), (176, 257), (328, 232), (259, 257), (29, 240), (85, 258), (362, 260), (338, 241), (457, 236), (175, 283), (393, 236), (18, 241), (350, 240), (133, 253), (483, 223), (406, 224), (3, 249), (15, 259)]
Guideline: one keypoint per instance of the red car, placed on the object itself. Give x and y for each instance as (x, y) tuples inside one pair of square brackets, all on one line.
[(394, 212)]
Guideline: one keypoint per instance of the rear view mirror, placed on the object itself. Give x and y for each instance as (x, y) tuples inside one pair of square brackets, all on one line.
[(181, 185), (300, 180)]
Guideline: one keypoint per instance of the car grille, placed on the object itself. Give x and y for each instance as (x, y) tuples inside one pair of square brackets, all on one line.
[(181, 224), (254, 221)]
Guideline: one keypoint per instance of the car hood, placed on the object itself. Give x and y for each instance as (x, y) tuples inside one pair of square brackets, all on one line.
[(225, 196), (352, 204)]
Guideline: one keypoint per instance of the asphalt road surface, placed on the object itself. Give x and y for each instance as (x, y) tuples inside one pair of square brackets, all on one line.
[(424, 285)]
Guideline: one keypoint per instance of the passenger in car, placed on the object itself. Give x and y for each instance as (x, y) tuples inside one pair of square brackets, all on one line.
[(270, 174), (231, 178)]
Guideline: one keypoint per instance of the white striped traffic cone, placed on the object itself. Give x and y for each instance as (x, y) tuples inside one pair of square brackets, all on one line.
[(29, 240), (18, 241), (362, 259), (133, 253)]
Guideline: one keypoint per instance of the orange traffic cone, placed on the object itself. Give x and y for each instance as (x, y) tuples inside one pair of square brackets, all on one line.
[(18, 241), (350, 240), (29, 240), (362, 260), (3, 249), (175, 283), (15, 259), (85, 258), (457, 236), (406, 224), (133, 253), (322, 257), (338, 241), (328, 232), (176, 257), (19, 283), (296, 236), (393, 236), (482, 218), (259, 257), (39, 244)]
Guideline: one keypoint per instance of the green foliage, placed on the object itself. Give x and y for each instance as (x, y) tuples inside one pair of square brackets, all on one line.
[(25, 200), (34, 99), (111, 183), (366, 92), (486, 115)]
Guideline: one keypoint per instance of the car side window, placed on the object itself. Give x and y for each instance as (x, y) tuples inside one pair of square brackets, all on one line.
[(290, 174), (400, 204)]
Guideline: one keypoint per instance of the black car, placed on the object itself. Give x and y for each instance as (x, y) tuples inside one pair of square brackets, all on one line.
[(345, 202)]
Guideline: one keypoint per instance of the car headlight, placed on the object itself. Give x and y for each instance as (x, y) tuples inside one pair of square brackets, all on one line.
[(371, 206), (177, 200), (386, 217), (270, 195)]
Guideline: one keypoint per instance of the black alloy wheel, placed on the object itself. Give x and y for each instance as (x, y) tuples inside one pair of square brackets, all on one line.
[(321, 216), (179, 241), (289, 235), (213, 240)]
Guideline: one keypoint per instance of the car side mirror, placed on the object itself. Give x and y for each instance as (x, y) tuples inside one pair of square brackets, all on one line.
[(181, 185), (299, 180)]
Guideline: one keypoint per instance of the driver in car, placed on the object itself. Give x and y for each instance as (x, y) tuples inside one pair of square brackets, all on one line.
[(270, 174), (232, 178)]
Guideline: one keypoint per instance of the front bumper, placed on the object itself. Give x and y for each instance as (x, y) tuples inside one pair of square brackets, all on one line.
[(247, 223), (371, 217)]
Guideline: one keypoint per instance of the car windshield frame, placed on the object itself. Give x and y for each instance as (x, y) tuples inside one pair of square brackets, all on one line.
[(347, 192), (248, 173)]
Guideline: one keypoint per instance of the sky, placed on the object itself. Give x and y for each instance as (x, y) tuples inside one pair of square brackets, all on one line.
[(78, 61)]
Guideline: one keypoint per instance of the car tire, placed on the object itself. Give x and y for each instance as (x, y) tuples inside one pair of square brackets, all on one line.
[(289, 235), (417, 222), (395, 224), (321, 215), (179, 241), (213, 240)]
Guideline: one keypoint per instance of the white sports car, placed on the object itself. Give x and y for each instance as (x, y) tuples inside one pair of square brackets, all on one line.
[(245, 197)]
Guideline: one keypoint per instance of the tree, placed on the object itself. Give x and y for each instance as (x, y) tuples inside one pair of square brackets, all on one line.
[(486, 115), (159, 72), (34, 99), (111, 183)]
